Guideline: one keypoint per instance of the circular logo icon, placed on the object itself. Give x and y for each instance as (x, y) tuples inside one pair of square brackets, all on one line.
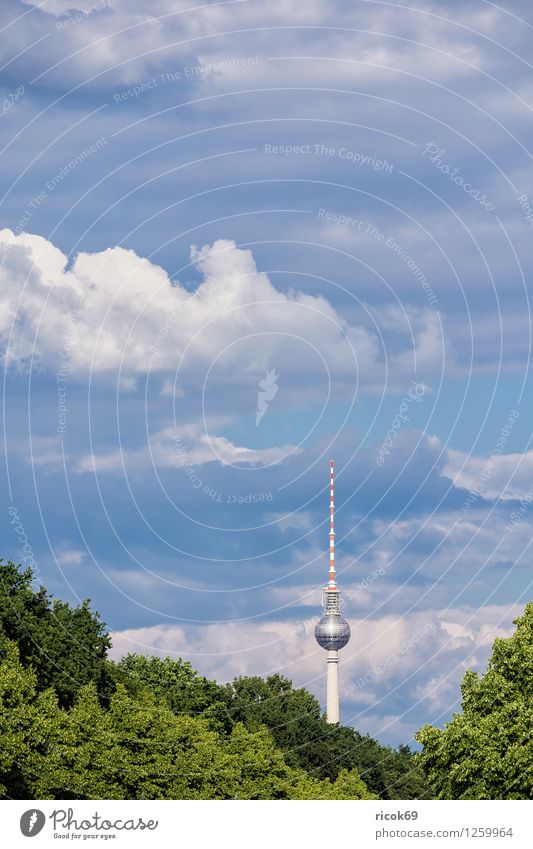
[(32, 822)]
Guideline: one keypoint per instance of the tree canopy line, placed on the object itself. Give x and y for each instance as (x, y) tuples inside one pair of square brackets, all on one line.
[(76, 725)]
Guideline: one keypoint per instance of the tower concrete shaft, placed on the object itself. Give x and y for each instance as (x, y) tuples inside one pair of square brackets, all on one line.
[(332, 688)]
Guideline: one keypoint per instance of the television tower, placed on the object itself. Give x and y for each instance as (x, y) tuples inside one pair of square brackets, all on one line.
[(332, 631)]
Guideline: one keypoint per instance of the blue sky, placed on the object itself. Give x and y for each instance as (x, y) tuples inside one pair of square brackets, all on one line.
[(332, 201)]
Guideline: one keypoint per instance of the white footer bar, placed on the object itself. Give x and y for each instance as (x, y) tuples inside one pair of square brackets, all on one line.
[(268, 825)]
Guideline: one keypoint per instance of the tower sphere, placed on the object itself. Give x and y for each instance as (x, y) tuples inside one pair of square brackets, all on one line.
[(332, 632)]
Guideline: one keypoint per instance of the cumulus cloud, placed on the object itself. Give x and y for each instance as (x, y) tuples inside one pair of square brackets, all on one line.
[(430, 649), (186, 447), (247, 648), (114, 310), (471, 551), (378, 79), (428, 44), (505, 476)]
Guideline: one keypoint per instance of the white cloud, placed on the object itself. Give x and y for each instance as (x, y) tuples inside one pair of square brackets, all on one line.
[(469, 634), (479, 626), (224, 651), (70, 557), (128, 37), (504, 476), (470, 551), (432, 648), (115, 310), (180, 448)]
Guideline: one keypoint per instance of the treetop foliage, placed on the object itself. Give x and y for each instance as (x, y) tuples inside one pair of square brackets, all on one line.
[(65, 646), (75, 725), (486, 751)]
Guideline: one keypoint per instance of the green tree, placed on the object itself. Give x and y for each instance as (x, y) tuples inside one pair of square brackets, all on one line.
[(308, 742), (164, 756), (349, 785), (137, 749), (179, 685), (78, 762), (262, 773), (485, 752), (75, 725), (28, 721), (65, 646), (291, 715)]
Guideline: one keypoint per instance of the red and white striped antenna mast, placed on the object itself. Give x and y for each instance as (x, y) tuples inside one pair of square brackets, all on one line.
[(332, 582)]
